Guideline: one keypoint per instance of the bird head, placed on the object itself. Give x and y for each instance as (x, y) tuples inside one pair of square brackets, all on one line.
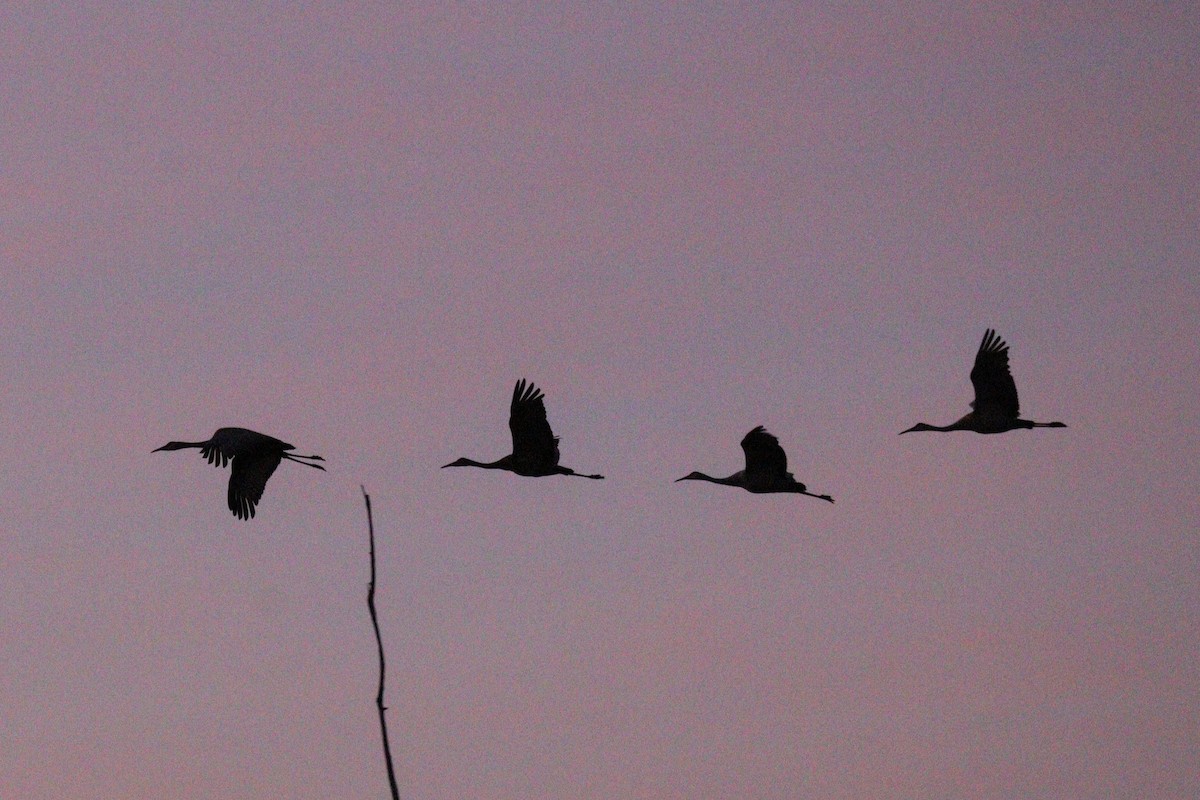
[(693, 476), (920, 426)]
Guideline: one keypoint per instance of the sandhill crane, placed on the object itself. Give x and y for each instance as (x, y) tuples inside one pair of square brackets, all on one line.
[(254, 455), (766, 468), (535, 447), (995, 406)]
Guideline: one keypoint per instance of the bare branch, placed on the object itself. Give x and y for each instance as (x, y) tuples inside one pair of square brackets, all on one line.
[(387, 750)]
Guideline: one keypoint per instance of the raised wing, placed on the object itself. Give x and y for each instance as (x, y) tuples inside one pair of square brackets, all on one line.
[(247, 481), (533, 441), (763, 453), (995, 390)]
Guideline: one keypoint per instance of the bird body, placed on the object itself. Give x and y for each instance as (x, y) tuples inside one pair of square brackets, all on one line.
[(995, 408), (766, 468), (535, 447), (254, 457)]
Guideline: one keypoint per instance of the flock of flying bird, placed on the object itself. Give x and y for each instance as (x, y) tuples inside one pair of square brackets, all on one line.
[(255, 456)]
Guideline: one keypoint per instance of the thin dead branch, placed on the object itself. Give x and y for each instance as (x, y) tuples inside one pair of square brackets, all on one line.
[(387, 750)]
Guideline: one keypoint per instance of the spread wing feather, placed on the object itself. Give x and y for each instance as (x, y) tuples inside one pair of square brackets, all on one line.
[(995, 390), (215, 455), (763, 453), (533, 441), (247, 481)]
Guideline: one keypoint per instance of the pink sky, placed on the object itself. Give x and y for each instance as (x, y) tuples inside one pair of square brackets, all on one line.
[(355, 228)]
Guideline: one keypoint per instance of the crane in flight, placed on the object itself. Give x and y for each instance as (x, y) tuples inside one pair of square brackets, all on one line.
[(535, 447), (995, 408), (255, 457), (766, 468)]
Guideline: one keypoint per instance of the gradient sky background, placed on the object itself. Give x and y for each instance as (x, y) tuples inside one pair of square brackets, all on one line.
[(355, 227)]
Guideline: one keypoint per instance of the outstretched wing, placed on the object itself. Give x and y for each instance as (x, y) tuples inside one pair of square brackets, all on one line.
[(995, 390), (763, 453), (229, 442), (247, 481), (533, 441), (215, 454)]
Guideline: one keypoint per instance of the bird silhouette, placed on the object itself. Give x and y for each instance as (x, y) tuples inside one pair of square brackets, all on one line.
[(766, 468), (255, 457), (995, 406), (535, 447)]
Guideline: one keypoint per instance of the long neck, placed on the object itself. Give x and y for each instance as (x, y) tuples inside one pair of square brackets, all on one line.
[(179, 445), (921, 426), (732, 480), (467, 462)]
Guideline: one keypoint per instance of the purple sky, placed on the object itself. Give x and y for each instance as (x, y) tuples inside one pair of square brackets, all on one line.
[(355, 228)]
